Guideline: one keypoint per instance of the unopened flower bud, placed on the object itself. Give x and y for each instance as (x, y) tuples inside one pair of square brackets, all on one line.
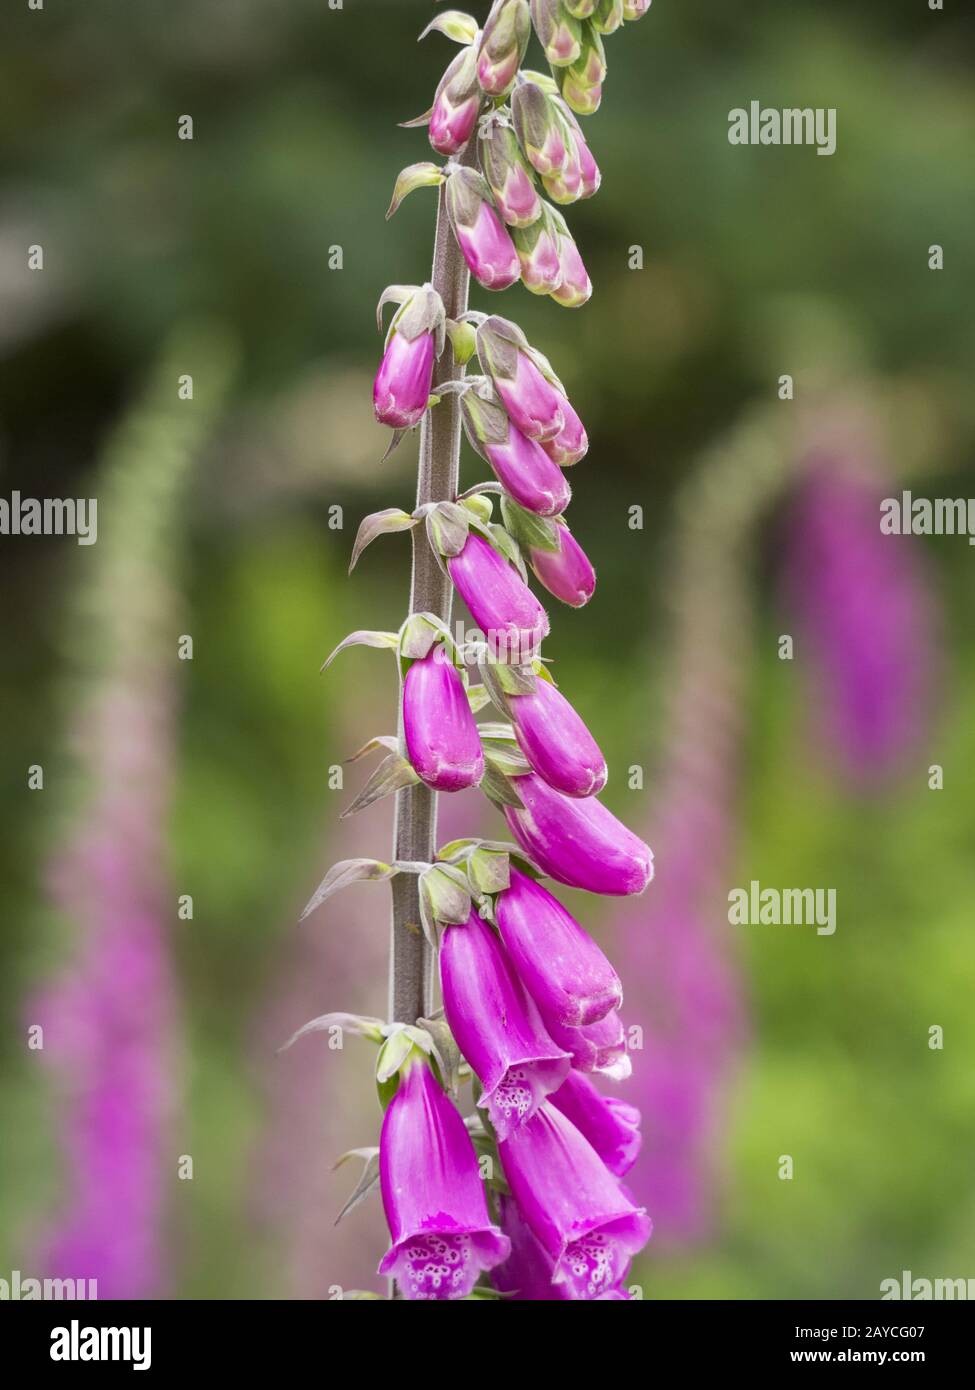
[(520, 465), (500, 602), (481, 235), (497, 1026), (558, 31), (581, 83), (508, 175), (540, 133), (635, 9), (607, 16), (442, 741), (563, 969), (575, 287), (538, 253), (566, 573), (504, 39), (565, 185), (520, 377), (456, 104), (590, 177), (571, 443), (580, 9), (579, 842), (556, 741), (401, 390)]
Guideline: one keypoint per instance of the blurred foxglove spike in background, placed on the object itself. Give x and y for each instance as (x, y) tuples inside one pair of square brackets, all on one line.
[(110, 1017)]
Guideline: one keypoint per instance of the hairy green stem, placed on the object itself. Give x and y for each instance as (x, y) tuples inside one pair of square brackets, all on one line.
[(411, 981)]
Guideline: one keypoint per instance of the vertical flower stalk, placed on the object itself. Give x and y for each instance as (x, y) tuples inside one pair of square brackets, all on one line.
[(109, 1018), (529, 1001)]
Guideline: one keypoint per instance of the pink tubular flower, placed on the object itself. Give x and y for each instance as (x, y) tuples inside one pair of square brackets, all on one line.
[(442, 741), (571, 443), (500, 602), (481, 235), (528, 474), (576, 1209), (497, 1026), (556, 742), (442, 1236), (567, 572), (560, 965), (402, 386), (579, 842), (611, 1125), (526, 1275)]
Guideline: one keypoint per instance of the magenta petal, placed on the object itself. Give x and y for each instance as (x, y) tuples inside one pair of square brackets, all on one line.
[(571, 443), (501, 603), (612, 1126), (599, 1046), (442, 1236), (526, 1275), (561, 966), (442, 741), (489, 251), (530, 477), (556, 742), (577, 1210), (497, 1026), (567, 572), (578, 842), (402, 386), (533, 403)]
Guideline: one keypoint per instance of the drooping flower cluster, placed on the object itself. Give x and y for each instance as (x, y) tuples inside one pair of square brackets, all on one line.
[(528, 134), (529, 1189)]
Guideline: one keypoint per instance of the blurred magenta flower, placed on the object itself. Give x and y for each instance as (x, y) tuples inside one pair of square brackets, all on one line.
[(442, 1235), (865, 613)]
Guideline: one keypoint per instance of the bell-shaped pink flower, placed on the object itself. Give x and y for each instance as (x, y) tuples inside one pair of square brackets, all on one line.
[(560, 965), (556, 742), (530, 477), (611, 1125), (433, 1196), (576, 1209), (497, 1026), (579, 842), (567, 572), (501, 603), (571, 443), (442, 742), (526, 1275), (402, 386)]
